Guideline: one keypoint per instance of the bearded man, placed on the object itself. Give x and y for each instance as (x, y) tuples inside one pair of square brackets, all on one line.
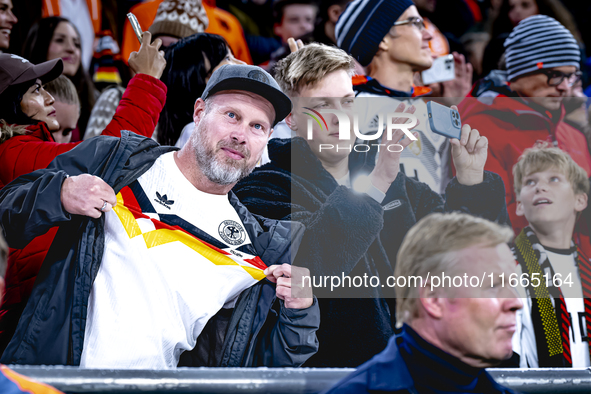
[(156, 263)]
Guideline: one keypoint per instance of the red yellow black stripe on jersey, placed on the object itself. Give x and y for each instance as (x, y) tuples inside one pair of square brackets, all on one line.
[(171, 228)]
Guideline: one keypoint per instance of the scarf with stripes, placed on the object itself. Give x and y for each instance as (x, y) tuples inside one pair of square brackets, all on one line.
[(549, 314)]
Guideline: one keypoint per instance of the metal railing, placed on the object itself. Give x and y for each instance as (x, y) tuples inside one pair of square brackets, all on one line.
[(267, 380)]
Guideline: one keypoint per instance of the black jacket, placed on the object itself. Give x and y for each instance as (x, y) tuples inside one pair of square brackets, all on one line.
[(351, 234), (51, 329)]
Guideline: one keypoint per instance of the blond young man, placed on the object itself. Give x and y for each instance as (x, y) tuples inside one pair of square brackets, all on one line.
[(551, 192), (449, 334), (352, 233)]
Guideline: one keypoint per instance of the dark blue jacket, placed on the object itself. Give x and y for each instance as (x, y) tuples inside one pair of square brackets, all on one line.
[(408, 355), (51, 329)]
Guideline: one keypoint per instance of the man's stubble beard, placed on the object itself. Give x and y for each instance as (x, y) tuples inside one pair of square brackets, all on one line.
[(214, 169)]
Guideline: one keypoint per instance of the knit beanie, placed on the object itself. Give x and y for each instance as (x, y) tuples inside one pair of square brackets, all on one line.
[(539, 42), (363, 25), (179, 18)]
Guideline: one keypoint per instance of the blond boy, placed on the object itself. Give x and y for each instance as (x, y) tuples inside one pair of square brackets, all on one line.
[(67, 107), (551, 192)]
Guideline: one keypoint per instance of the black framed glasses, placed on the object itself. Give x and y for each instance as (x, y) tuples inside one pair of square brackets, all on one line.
[(556, 77), (417, 22)]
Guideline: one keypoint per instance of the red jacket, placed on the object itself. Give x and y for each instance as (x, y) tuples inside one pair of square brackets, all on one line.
[(138, 111), (511, 126)]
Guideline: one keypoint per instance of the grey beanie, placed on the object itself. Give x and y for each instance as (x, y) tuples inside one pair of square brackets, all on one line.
[(540, 42), (363, 25)]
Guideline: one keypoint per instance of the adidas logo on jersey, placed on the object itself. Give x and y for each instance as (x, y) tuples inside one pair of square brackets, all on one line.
[(163, 200)]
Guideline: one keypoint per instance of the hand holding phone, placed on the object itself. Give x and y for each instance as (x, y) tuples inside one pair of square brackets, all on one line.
[(469, 149), (135, 25), (443, 69), (149, 59)]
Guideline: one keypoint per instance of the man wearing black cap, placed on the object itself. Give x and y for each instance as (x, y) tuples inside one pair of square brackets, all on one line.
[(171, 262)]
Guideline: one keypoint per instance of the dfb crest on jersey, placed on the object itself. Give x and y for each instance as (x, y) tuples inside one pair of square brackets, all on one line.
[(232, 232)]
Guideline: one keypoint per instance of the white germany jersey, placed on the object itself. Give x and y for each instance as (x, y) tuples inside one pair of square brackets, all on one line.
[(173, 257)]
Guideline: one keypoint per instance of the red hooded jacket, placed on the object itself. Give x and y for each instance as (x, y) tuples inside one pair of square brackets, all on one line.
[(138, 111), (512, 126)]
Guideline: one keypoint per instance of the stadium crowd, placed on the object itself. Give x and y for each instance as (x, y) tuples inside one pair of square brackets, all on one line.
[(164, 193)]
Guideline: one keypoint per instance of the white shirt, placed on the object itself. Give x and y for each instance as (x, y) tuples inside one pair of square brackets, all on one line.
[(345, 181), (562, 265), (158, 285)]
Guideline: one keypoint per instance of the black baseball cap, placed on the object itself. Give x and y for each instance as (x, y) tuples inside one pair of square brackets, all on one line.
[(15, 69), (251, 79)]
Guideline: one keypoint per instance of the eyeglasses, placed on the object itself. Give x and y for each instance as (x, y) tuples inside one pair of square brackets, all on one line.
[(415, 21), (556, 77)]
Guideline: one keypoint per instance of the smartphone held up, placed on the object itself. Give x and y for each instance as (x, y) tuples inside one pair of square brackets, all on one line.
[(136, 26), (443, 120), (443, 69)]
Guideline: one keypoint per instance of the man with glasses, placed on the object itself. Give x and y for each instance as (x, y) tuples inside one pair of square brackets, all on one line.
[(542, 60), (389, 37)]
